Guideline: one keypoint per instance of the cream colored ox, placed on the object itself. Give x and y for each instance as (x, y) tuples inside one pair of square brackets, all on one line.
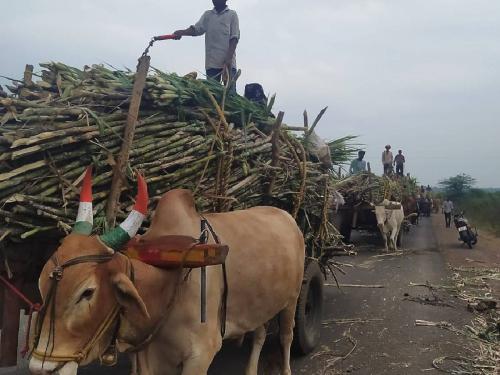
[(159, 310), (390, 217)]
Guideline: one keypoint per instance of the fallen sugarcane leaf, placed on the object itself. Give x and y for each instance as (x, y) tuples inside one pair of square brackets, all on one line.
[(432, 286), (426, 323), (465, 365), (396, 253), (336, 358), (433, 300), (351, 321), (357, 286)]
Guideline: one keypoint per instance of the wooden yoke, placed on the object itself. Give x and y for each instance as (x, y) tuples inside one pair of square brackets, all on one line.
[(128, 138), (172, 252)]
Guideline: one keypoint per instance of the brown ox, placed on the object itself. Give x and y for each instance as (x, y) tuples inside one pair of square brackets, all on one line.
[(264, 270)]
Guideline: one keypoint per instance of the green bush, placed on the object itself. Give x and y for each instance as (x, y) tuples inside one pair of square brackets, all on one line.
[(483, 209)]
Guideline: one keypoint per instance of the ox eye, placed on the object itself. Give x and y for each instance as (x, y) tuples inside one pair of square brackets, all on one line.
[(86, 295)]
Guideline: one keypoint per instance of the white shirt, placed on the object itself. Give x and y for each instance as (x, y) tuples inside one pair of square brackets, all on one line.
[(448, 207), (219, 28), (387, 157)]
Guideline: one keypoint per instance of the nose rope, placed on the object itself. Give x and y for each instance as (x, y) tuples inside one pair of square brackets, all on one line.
[(50, 303)]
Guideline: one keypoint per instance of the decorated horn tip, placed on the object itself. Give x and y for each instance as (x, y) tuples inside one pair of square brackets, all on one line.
[(119, 236), (84, 220), (86, 191), (142, 198)]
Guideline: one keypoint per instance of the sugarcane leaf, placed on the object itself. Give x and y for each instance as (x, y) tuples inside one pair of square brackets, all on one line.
[(6, 117)]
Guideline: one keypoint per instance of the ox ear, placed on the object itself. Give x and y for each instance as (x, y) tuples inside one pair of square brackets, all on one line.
[(128, 296)]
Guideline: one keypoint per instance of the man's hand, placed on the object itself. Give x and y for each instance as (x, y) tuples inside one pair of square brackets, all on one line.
[(228, 64), (178, 34)]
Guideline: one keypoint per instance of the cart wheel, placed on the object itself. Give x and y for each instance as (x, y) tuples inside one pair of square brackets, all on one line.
[(309, 313)]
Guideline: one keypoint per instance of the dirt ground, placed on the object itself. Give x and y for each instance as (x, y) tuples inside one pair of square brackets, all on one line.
[(369, 325), (372, 330), (486, 254)]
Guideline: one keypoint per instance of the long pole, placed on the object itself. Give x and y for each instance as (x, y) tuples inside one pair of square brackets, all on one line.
[(128, 138)]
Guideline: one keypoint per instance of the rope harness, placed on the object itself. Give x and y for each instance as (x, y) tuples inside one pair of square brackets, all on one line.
[(112, 319), (50, 305)]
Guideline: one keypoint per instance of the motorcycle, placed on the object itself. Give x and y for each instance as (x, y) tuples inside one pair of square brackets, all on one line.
[(467, 234)]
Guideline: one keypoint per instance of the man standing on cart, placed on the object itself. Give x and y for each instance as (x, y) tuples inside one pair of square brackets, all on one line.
[(220, 26), (387, 160)]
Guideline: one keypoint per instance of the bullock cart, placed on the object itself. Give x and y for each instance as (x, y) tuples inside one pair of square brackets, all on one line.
[(361, 192), (184, 133)]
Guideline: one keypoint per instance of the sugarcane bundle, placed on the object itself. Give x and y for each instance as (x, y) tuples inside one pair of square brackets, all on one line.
[(191, 134), (368, 187)]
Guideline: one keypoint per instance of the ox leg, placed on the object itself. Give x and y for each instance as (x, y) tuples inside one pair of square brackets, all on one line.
[(384, 237), (394, 238), (199, 363), (259, 337), (287, 322)]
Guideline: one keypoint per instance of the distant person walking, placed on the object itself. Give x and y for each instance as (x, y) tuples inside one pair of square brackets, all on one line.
[(399, 162), (447, 210), (358, 165), (387, 160), (222, 33)]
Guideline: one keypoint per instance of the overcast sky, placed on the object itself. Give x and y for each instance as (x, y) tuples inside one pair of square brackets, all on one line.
[(422, 75)]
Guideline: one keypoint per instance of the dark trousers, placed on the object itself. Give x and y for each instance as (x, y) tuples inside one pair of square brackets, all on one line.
[(400, 170), (447, 218), (217, 75), (387, 169)]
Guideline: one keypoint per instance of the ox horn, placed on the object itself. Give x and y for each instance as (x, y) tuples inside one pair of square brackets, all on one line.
[(85, 217), (116, 238)]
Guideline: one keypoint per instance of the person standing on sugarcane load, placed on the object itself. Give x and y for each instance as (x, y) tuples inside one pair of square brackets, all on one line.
[(220, 26), (387, 160), (358, 165), (399, 162)]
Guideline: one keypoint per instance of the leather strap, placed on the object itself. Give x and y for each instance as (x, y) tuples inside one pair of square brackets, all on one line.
[(205, 224)]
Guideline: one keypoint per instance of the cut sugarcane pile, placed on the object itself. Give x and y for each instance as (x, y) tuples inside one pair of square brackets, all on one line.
[(367, 187), (190, 135)]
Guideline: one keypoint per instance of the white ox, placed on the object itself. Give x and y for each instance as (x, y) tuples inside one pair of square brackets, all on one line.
[(390, 217), (264, 269)]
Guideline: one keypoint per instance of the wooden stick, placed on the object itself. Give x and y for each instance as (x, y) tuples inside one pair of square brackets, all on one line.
[(128, 137), (315, 123), (276, 149)]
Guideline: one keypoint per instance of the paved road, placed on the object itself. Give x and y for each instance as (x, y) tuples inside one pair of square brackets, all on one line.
[(388, 342)]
